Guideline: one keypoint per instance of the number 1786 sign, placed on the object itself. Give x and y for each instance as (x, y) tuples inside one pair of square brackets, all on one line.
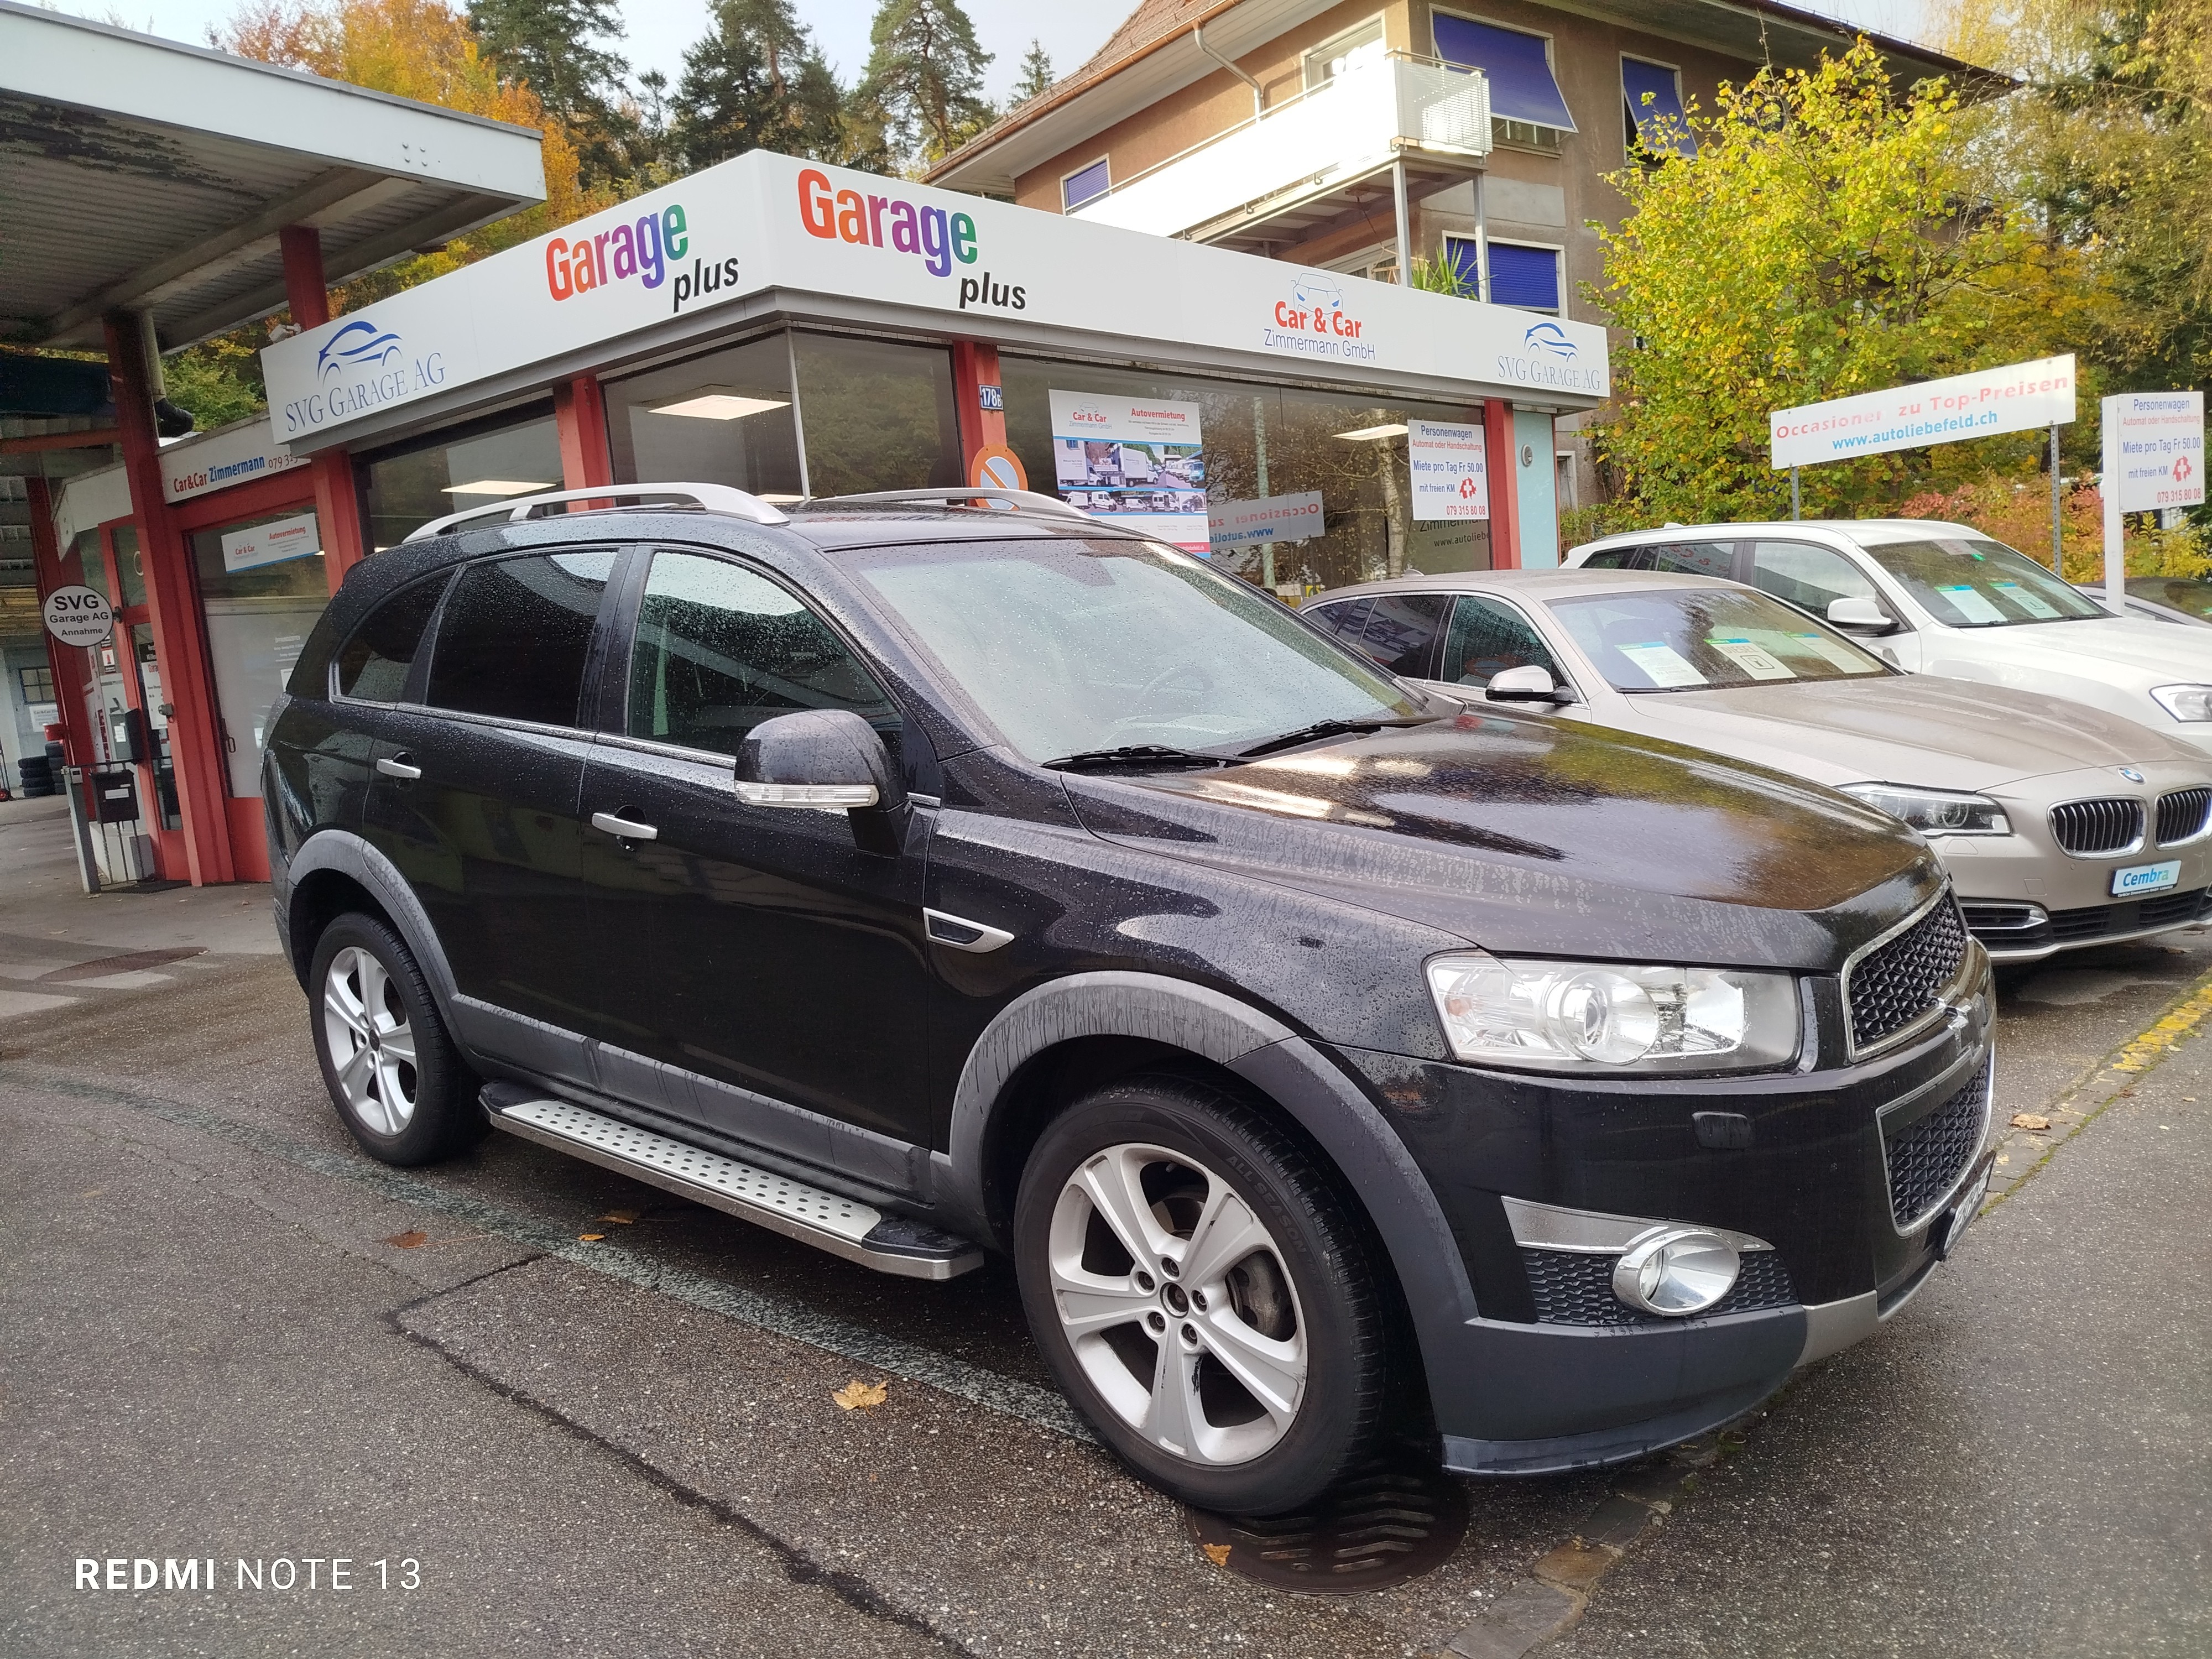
[(79, 616)]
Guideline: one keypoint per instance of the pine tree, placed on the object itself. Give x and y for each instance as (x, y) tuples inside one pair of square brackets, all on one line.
[(548, 44), (755, 82), (926, 77), (1036, 78)]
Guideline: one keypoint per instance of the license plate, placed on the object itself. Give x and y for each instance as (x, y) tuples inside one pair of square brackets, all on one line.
[(1966, 1206), (2146, 879)]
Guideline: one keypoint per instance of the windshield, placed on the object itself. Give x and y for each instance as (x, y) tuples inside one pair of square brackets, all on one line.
[(1691, 639), (2188, 593), (1072, 647), (1970, 582)]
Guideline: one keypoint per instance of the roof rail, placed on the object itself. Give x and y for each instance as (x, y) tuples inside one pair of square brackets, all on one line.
[(1028, 498), (715, 498)]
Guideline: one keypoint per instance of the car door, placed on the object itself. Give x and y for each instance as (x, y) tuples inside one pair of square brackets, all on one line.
[(476, 799), (1812, 577), (1401, 633), (772, 972)]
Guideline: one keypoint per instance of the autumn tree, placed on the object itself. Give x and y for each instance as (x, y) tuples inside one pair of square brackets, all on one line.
[(549, 46), (1824, 238), (924, 82), (757, 80)]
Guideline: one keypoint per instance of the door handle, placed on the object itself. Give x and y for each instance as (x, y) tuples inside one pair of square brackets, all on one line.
[(396, 766), (622, 828)]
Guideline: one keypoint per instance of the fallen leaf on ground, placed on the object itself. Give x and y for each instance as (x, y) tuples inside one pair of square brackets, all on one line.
[(409, 1240), (591, 1238), (1217, 1553), (2030, 1121), (857, 1395), (624, 1218)]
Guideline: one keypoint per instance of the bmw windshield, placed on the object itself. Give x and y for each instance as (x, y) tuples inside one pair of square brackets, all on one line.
[(1970, 582), (1696, 639), (1075, 648)]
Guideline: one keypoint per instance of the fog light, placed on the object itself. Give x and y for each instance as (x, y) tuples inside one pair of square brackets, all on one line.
[(1675, 1271)]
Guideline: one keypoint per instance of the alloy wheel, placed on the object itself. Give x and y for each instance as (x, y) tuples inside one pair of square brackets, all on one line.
[(372, 1045), (1176, 1301)]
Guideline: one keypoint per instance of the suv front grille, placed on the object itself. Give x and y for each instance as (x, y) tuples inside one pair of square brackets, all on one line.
[(1574, 1288), (1927, 1156), (2181, 815), (2087, 827), (1894, 984)]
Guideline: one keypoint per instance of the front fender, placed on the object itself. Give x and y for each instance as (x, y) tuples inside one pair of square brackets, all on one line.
[(349, 855)]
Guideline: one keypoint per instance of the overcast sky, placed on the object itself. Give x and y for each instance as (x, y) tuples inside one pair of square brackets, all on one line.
[(660, 29)]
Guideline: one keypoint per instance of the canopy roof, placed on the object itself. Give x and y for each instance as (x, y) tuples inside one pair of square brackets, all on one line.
[(142, 174)]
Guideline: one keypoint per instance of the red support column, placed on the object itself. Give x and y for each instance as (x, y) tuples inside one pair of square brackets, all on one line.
[(579, 412), (338, 503), (173, 607), (56, 566), (1502, 462), (975, 366)]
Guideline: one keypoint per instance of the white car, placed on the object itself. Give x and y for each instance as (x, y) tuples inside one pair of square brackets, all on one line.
[(1933, 598)]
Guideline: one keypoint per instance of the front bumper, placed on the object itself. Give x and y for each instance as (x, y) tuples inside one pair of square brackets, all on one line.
[(1524, 1388)]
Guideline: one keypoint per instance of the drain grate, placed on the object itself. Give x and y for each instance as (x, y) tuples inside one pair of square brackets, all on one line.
[(1397, 1520)]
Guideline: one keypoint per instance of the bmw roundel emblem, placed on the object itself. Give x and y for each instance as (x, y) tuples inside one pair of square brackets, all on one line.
[(2131, 774)]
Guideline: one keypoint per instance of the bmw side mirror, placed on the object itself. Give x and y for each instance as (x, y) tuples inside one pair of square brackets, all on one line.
[(825, 760), (1861, 615), (1526, 684)]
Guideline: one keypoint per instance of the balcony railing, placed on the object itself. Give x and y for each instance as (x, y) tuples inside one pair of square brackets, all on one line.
[(1347, 127)]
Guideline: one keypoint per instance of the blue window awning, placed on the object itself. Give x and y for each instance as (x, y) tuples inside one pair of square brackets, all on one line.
[(1654, 97), (1524, 277), (1517, 66), (1087, 185)]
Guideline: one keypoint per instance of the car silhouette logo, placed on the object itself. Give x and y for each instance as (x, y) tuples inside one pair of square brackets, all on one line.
[(2131, 774), (1316, 292), (359, 344), (1551, 338)]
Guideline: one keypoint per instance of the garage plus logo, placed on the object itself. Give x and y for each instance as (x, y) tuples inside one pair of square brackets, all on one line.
[(938, 237), (1314, 321), (644, 252)]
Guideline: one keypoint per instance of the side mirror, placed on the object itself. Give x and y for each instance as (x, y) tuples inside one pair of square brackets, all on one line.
[(1861, 615), (1526, 684), (825, 760)]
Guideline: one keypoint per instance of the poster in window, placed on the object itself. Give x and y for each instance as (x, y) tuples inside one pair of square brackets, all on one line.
[(1140, 465), (1450, 471)]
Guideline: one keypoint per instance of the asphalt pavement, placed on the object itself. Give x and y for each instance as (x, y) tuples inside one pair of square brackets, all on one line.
[(595, 1418)]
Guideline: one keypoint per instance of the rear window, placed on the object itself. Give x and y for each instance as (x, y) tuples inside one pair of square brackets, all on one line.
[(514, 636)]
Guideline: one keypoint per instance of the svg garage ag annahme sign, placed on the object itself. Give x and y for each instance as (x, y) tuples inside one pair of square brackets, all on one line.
[(2019, 397), (962, 265)]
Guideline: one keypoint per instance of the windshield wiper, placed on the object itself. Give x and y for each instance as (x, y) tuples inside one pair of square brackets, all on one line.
[(1331, 729), (1135, 754)]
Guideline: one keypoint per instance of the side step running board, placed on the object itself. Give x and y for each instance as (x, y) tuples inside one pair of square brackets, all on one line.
[(842, 1226)]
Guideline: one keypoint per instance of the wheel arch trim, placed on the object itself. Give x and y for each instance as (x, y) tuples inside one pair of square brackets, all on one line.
[(349, 855), (1291, 1072)]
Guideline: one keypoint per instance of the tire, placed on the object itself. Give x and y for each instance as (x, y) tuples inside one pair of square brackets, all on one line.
[(1266, 1386), (407, 1097)]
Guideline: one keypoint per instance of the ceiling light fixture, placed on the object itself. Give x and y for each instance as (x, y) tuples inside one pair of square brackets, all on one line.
[(716, 402), (1368, 434), (494, 486)]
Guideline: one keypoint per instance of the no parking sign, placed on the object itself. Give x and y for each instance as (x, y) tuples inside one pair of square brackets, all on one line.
[(996, 467)]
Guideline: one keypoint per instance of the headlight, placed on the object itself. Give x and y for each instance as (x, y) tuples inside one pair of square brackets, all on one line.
[(1935, 811), (2184, 703), (1604, 1016)]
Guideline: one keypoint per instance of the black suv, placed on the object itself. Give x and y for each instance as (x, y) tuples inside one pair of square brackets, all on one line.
[(918, 878)]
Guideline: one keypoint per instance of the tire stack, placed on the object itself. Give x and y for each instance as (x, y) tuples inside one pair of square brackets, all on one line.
[(36, 773)]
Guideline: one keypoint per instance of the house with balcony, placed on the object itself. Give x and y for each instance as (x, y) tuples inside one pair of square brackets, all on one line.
[(1356, 138)]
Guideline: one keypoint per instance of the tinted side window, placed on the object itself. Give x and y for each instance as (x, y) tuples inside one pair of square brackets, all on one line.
[(374, 662), (1691, 558), (1487, 637), (1402, 632), (515, 633), (1808, 576), (1347, 620), (720, 649), (1613, 558)]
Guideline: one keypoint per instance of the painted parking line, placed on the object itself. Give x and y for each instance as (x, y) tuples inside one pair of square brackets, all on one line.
[(779, 1315)]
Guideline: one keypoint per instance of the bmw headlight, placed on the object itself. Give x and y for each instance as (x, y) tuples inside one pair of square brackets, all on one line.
[(2184, 703), (1613, 1017), (1935, 811)]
